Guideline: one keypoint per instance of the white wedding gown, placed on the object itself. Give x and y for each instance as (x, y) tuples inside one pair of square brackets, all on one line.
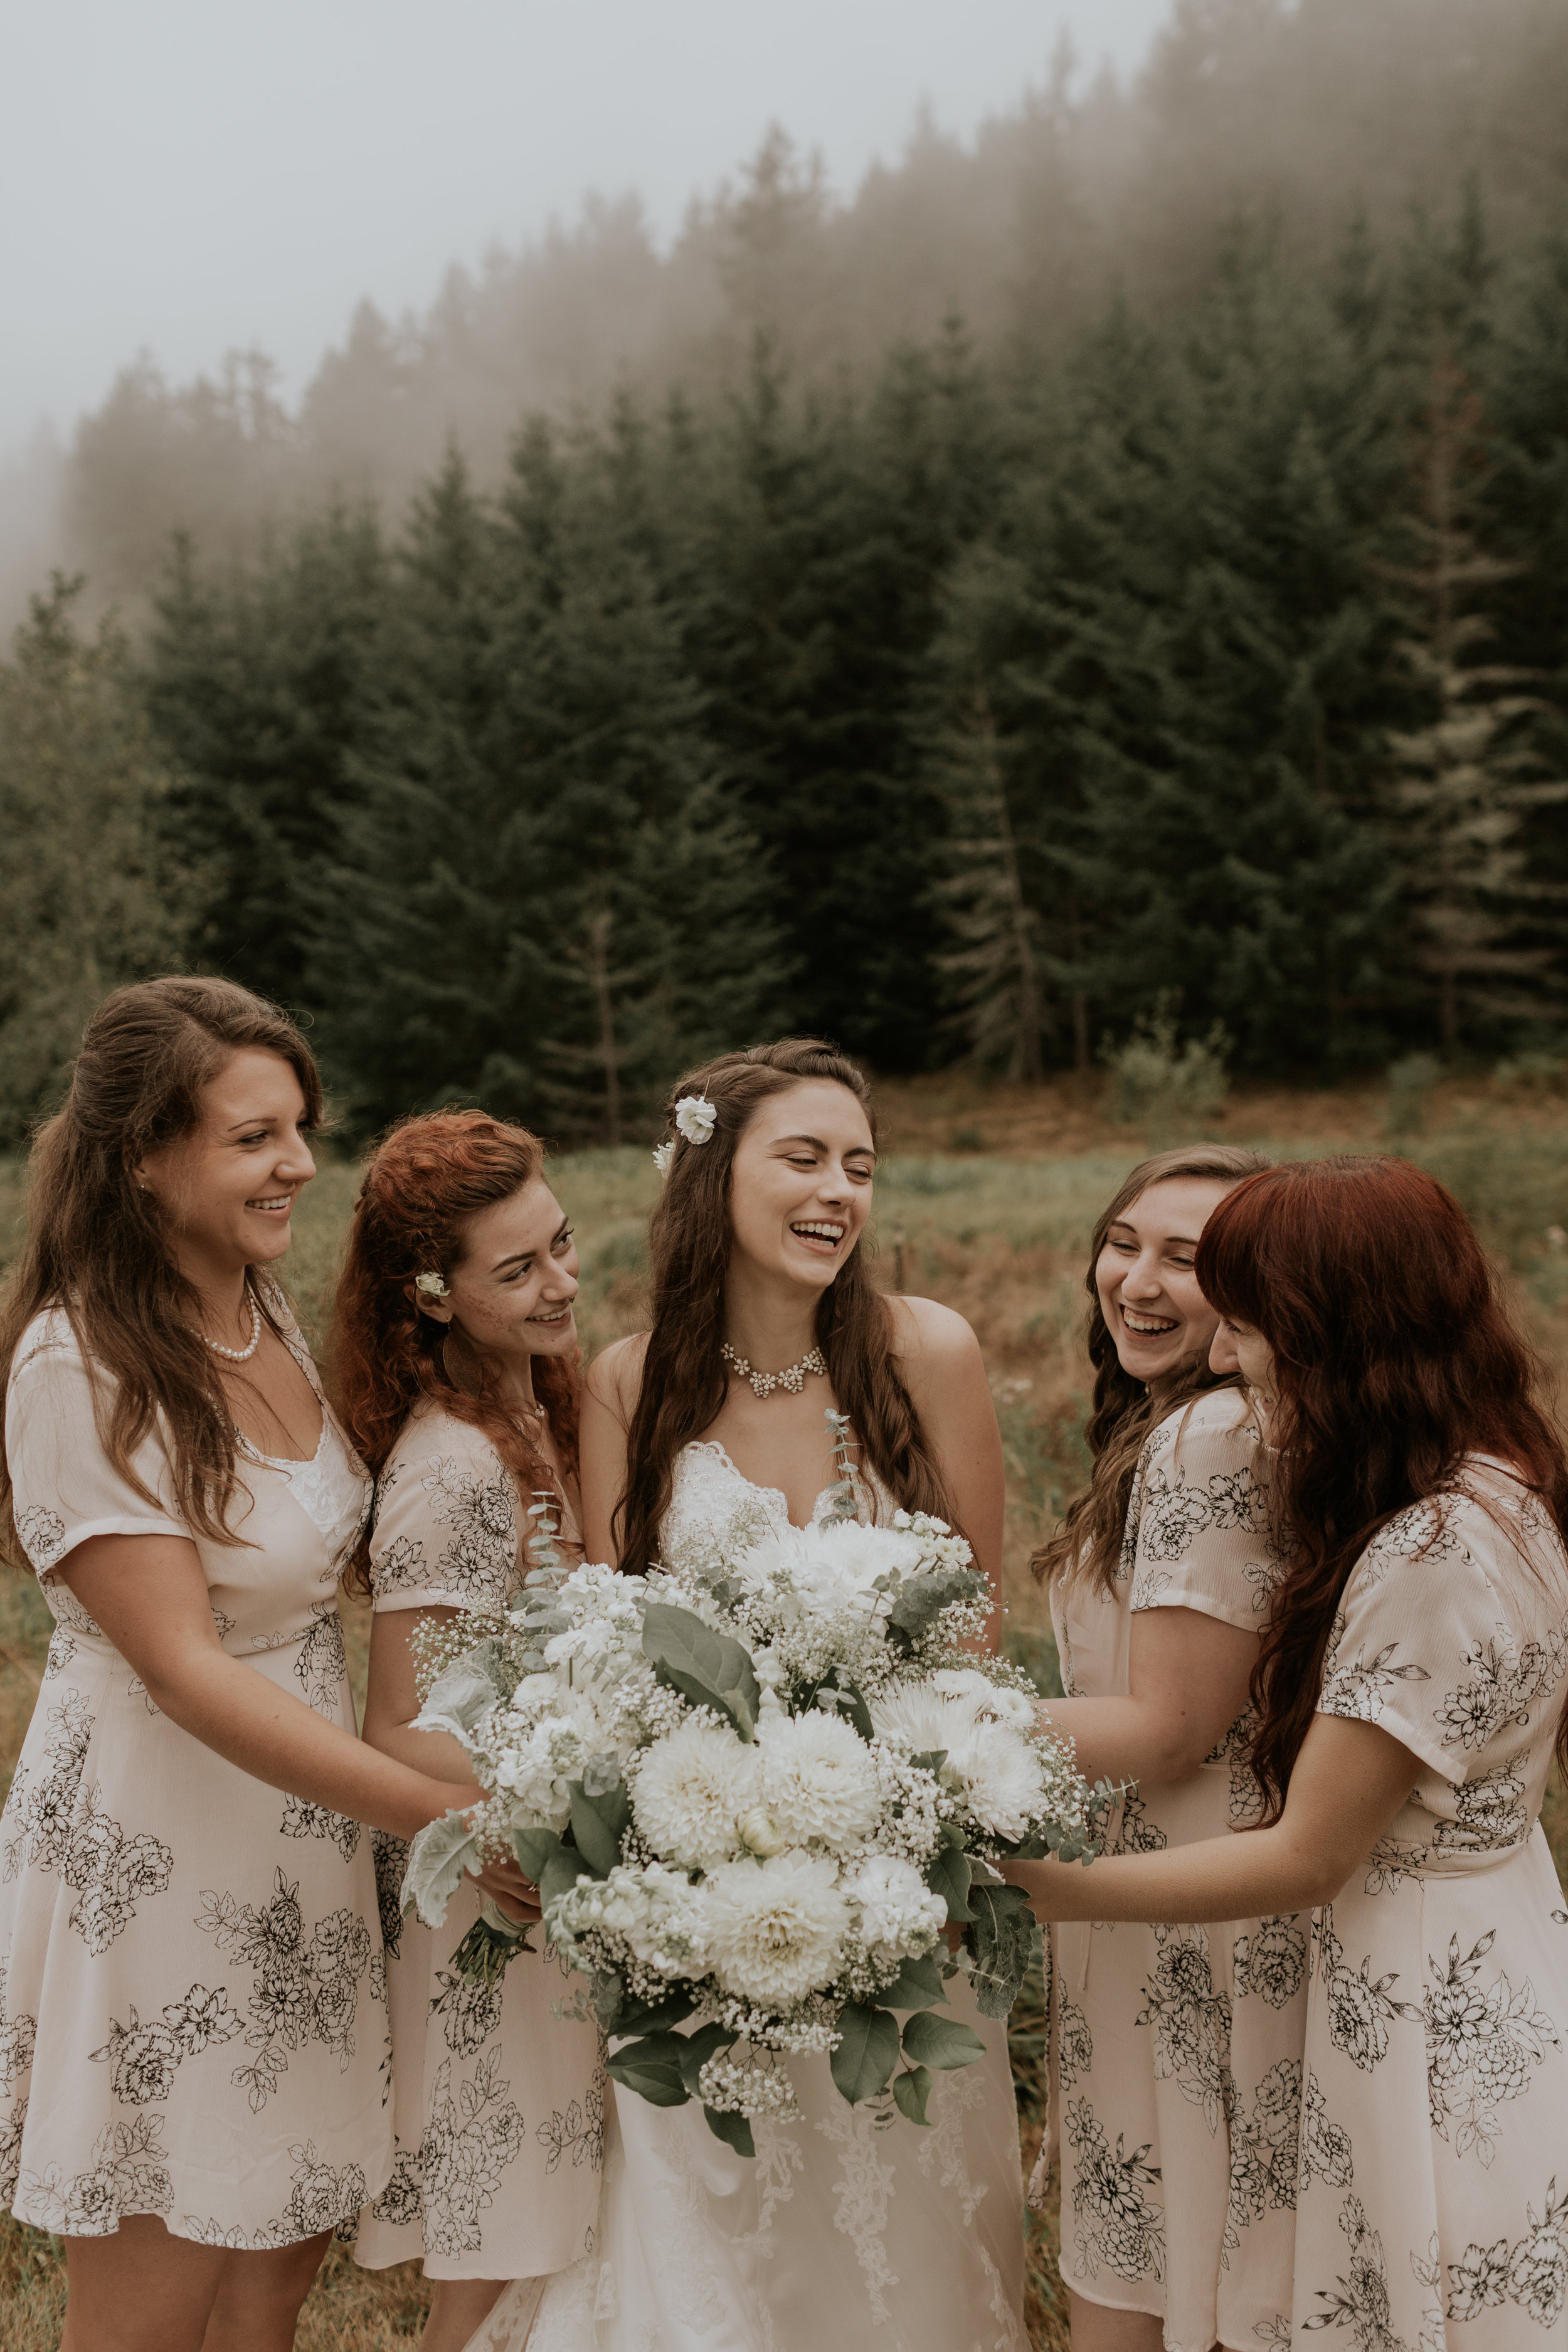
[(844, 2235)]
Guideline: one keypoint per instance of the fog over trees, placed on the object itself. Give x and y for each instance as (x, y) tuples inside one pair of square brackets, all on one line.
[(1118, 565)]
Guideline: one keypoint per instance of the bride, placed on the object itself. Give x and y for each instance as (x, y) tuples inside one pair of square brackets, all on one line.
[(848, 2230)]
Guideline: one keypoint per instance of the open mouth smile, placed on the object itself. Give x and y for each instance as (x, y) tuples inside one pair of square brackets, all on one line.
[(278, 1205), (1149, 1327), (823, 1235), (553, 1322)]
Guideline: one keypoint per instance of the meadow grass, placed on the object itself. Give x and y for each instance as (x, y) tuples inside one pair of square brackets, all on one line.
[(987, 1198)]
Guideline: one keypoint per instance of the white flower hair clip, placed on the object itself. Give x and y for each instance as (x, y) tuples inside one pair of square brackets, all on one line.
[(696, 1117), (663, 1153), (432, 1285)]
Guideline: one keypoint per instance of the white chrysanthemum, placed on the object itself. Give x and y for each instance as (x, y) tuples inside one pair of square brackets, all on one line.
[(893, 1899), (774, 1928), (927, 1718), (818, 1779), (1003, 1785), (828, 1569), (997, 1699), (690, 1789)]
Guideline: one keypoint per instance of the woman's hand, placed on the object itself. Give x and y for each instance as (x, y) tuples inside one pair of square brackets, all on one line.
[(514, 1895)]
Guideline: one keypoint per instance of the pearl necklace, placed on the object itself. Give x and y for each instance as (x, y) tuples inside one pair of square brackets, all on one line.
[(763, 1383), (239, 1355)]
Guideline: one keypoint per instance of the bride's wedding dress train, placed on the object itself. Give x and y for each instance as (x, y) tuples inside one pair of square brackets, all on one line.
[(848, 2232)]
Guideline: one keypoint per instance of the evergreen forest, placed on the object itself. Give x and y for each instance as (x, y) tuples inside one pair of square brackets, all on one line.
[(1164, 625)]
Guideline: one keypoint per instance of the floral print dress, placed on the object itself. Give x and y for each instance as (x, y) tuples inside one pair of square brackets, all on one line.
[(1176, 2073), (193, 2020), (1434, 2155), (500, 2103)]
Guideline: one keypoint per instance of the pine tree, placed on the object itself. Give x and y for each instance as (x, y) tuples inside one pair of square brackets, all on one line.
[(89, 895)]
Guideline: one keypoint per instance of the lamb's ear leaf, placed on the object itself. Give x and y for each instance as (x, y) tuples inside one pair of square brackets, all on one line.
[(650, 2067), (735, 2130), (438, 1860), (598, 1825), (708, 1668), (868, 2050), (941, 2041), (912, 2092), (918, 1985)]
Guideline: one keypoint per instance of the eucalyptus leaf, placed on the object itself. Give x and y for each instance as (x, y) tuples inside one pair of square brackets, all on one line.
[(868, 2050), (734, 2130), (941, 2041), (598, 1825), (708, 1668), (912, 2092)]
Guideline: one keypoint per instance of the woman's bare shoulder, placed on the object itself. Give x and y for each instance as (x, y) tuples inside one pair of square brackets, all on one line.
[(926, 1333), (615, 1376)]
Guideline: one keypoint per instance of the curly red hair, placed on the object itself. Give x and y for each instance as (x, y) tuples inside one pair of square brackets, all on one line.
[(422, 1188)]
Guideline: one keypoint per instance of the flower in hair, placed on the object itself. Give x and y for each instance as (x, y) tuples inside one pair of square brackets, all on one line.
[(663, 1153), (433, 1285), (696, 1117)]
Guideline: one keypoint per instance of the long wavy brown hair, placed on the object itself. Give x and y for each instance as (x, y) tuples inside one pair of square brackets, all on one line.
[(683, 1378), (422, 1189), (1395, 1357), (98, 1245), (1088, 1544)]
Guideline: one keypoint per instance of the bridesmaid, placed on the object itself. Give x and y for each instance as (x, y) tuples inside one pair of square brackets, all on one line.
[(1410, 1691), (456, 1356), (1180, 2047), (193, 2046)]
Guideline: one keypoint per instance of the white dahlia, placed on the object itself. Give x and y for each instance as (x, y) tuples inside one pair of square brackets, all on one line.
[(775, 1927), (894, 1901), (692, 1786), (818, 1779), (1003, 1785), (997, 1699)]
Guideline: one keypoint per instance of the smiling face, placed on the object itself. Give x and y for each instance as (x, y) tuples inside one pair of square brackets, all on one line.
[(510, 1294), (1156, 1314), (1241, 1348), (229, 1187), (800, 1184)]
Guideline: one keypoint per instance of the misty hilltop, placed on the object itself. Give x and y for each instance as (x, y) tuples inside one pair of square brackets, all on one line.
[(1310, 115)]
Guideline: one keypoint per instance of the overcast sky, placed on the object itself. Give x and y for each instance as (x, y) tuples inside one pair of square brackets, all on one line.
[(184, 176)]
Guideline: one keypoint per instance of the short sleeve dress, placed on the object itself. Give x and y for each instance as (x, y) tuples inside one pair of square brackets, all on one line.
[(194, 2020), (1434, 2195), (1175, 2070), (498, 2103)]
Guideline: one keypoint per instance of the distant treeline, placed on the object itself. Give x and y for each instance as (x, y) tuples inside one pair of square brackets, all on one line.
[(1206, 663)]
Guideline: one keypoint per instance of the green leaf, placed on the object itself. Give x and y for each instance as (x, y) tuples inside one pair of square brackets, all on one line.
[(917, 1985), (1002, 1939), (438, 1859), (533, 1849), (941, 2041), (651, 2068), (735, 2130), (655, 2016), (708, 1668), (949, 1874), (696, 2049), (598, 1825), (560, 1875), (912, 2092), (836, 1694), (868, 2050)]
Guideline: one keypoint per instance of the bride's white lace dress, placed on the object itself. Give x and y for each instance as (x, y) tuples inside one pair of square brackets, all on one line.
[(842, 2236)]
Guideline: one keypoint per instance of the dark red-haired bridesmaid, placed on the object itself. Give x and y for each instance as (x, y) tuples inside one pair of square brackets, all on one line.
[(456, 1356), (1410, 1693)]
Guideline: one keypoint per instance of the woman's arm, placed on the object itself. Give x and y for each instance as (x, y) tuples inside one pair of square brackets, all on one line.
[(945, 1375), (150, 1596), (609, 1401), (391, 1703), (1349, 1780), (1188, 1676)]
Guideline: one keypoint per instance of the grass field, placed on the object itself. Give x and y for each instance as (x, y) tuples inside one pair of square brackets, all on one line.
[(985, 1200)]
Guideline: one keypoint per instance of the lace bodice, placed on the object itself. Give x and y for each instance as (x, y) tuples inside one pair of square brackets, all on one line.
[(329, 1488), (713, 1508)]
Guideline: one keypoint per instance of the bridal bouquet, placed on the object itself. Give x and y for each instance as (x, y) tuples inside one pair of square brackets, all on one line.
[(754, 1788)]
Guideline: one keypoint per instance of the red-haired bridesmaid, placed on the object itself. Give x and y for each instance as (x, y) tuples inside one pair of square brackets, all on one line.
[(455, 1356), (1410, 1691)]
